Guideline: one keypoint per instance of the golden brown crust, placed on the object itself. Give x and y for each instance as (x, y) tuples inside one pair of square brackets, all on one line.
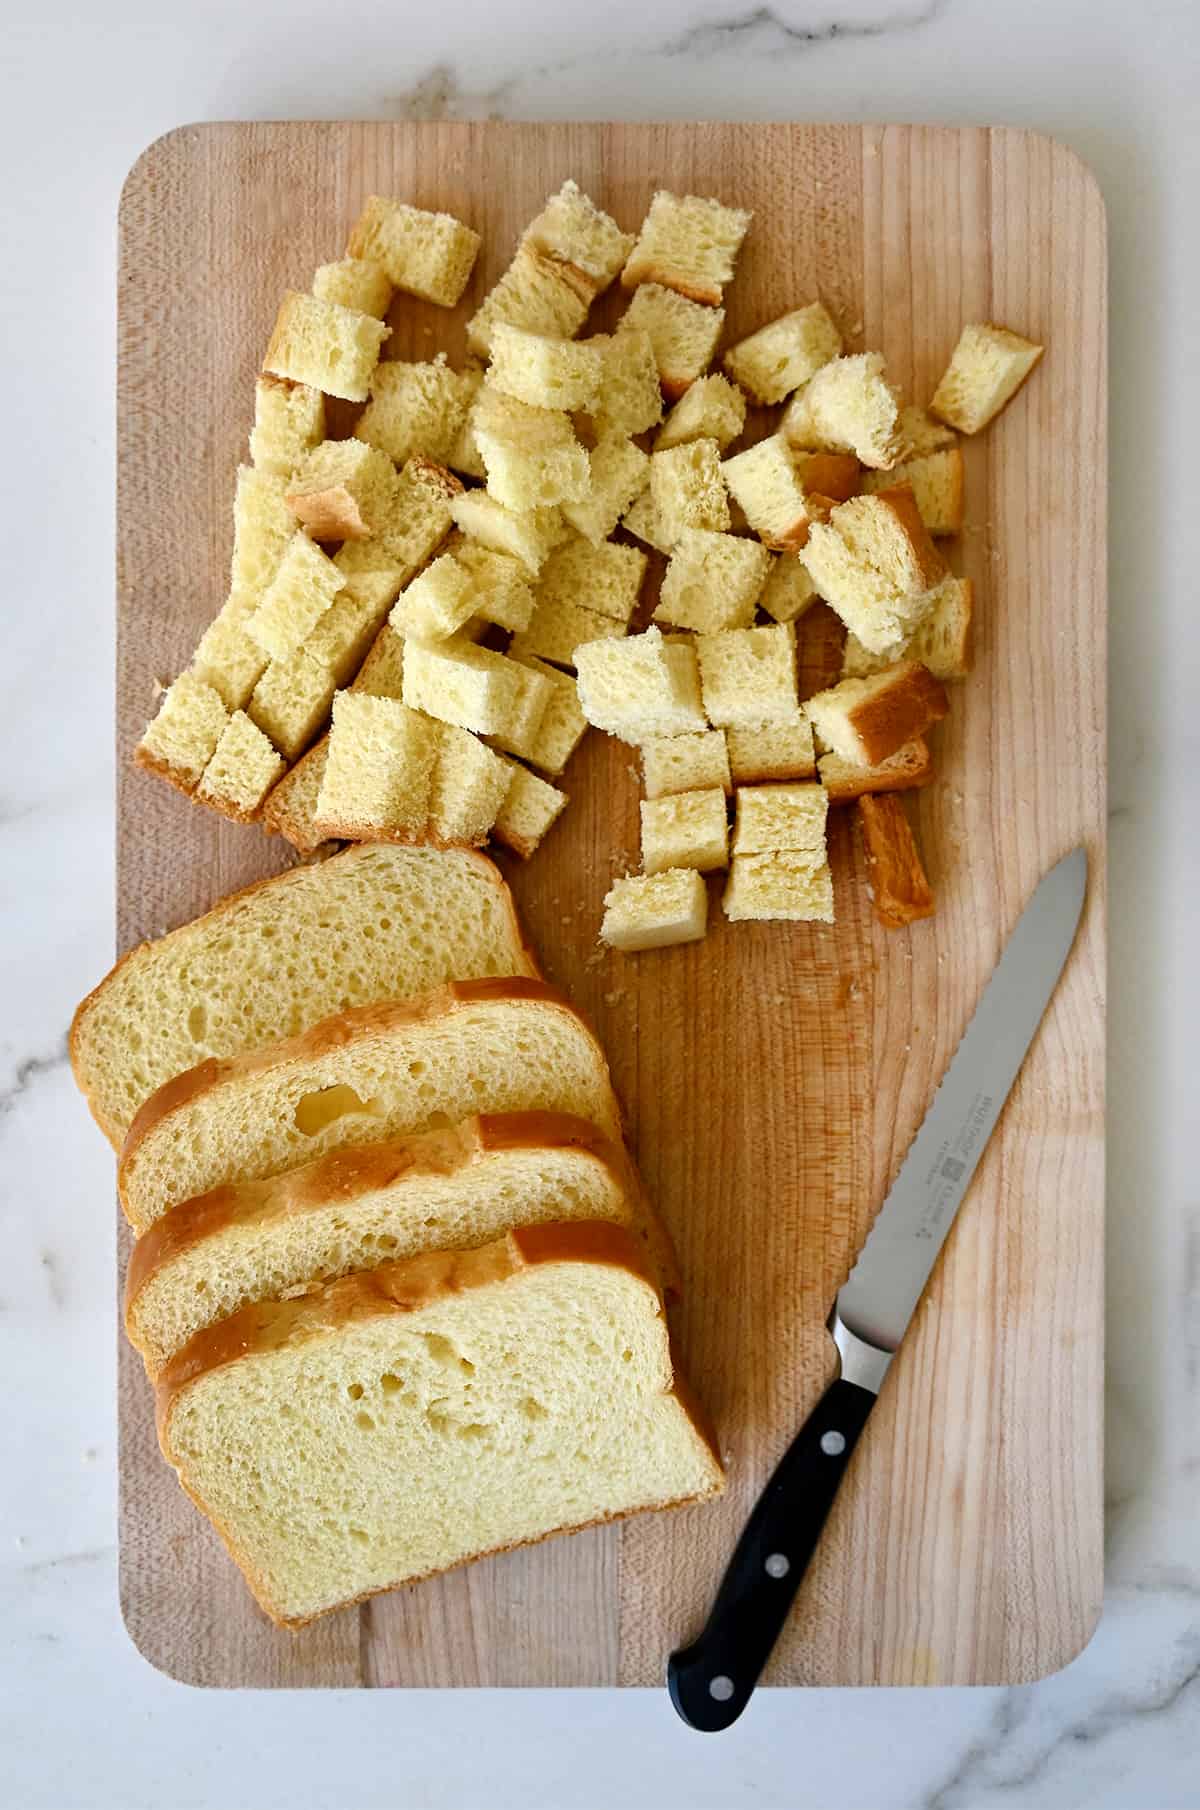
[(440, 478), (957, 504), (328, 514), (900, 891), (639, 271), (899, 711), (931, 567), (832, 476), (909, 767), (280, 819), (161, 769)]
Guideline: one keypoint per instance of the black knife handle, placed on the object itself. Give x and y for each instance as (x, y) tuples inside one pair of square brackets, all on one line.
[(711, 1681)]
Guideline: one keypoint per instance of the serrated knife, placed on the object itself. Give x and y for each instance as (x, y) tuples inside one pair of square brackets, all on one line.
[(712, 1680)]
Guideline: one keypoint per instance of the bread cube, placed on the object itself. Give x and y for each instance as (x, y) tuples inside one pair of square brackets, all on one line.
[(789, 590), (689, 244), (938, 485), (378, 770), (605, 578), (334, 349), (683, 334), (563, 724), (786, 886), (649, 911), (546, 373), (537, 293), (290, 807), (371, 575), (532, 457), (430, 255), (419, 518), (780, 357), (358, 283), (865, 720), (179, 743), (527, 535), (766, 482), (772, 818), (262, 527), (944, 642), (460, 683), (501, 591), (748, 676), (291, 701), (533, 694), (558, 626), (920, 434), (712, 408), (417, 408), (988, 366), (296, 598), (227, 659), (900, 892), (687, 489), (470, 784), (464, 455), (616, 473), (289, 420), (573, 230), (641, 520), (685, 763), (712, 581), (243, 768), (382, 672), (875, 565), (640, 686), (436, 602), (685, 829), (630, 399), (342, 490), (773, 751), (909, 767), (848, 407), (531, 806), (346, 630)]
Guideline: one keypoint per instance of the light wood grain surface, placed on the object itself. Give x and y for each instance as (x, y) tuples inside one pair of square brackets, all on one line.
[(772, 1075)]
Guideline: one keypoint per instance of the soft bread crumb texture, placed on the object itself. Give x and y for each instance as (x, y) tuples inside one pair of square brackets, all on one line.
[(944, 641), (987, 368), (359, 283), (773, 818), (791, 886), (781, 356), (686, 763), (537, 293), (289, 420), (652, 911), (712, 408), (748, 676), (773, 751), (427, 254), (866, 720), (180, 740), (683, 334), (243, 768), (849, 406), (685, 829), (712, 582), (531, 808), (417, 409), (572, 230), (640, 686), (687, 489), (334, 349), (875, 565), (688, 243)]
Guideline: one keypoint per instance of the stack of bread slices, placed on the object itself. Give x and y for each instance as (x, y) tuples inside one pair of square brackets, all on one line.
[(395, 1280)]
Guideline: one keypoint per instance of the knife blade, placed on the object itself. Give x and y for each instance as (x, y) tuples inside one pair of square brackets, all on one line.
[(711, 1681)]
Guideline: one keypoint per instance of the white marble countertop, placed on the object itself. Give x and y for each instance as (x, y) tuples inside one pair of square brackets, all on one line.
[(83, 1720)]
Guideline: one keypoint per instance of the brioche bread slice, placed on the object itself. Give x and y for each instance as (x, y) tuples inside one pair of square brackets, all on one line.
[(366, 1205), (373, 923), (360, 1076), (402, 1421)]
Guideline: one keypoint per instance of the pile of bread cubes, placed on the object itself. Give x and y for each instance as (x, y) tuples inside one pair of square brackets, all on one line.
[(424, 618)]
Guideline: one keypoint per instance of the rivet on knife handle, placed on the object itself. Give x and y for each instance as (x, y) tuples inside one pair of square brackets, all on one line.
[(712, 1680)]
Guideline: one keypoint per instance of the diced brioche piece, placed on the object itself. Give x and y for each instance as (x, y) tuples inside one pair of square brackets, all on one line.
[(944, 642), (290, 807), (789, 590), (378, 770), (291, 701), (345, 1443), (420, 516), (684, 334), (640, 686), (563, 724), (687, 489), (289, 420), (371, 573), (711, 409), (521, 731), (685, 763), (460, 683), (501, 590), (875, 565), (748, 676), (334, 349), (641, 520), (243, 768), (938, 485), (900, 892), (685, 829), (689, 244), (470, 784), (630, 399), (987, 368), (530, 809), (785, 354), (766, 484), (296, 598), (417, 408), (430, 255), (532, 457), (217, 986), (922, 435), (226, 658), (604, 578), (342, 491), (848, 406), (774, 751), (617, 471), (650, 911), (362, 1206), (346, 630), (908, 767), (712, 581), (773, 818), (262, 528), (436, 602), (528, 536), (558, 626), (181, 739), (573, 230), (537, 293), (788, 886), (543, 372), (382, 672), (865, 720), (356, 283)]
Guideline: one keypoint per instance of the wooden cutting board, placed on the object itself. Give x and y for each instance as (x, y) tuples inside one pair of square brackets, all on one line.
[(773, 1074)]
